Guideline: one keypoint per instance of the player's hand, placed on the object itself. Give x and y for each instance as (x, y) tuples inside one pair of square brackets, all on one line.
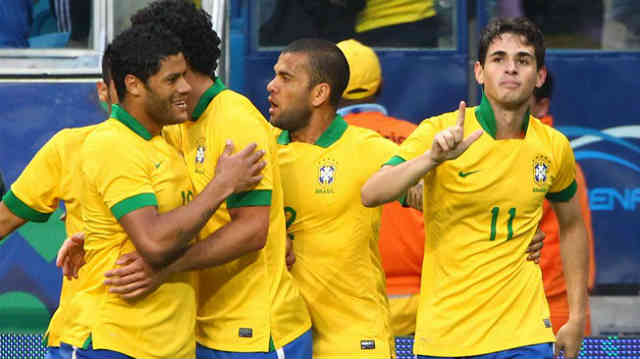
[(414, 196), (569, 339), (71, 255), (241, 170), (135, 278), (290, 257), (449, 144), (535, 247)]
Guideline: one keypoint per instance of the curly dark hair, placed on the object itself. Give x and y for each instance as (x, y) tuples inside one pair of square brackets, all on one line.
[(326, 64), (139, 51), (193, 27), (520, 26)]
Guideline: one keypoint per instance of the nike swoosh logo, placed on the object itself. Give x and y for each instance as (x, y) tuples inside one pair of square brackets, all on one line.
[(465, 174)]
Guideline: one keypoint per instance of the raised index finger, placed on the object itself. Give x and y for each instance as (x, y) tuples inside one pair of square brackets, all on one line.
[(461, 113)]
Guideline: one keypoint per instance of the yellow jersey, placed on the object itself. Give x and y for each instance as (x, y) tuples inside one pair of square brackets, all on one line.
[(381, 13), (335, 238), (249, 304), (479, 294), (53, 175), (125, 168)]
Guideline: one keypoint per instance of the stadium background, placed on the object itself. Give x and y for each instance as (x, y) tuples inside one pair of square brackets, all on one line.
[(594, 105)]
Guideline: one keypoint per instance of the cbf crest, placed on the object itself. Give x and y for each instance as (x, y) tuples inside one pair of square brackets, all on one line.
[(201, 155), (541, 170), (327, 170)]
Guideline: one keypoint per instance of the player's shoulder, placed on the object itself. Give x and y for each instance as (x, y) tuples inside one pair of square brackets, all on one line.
[(72, 136), (365, 137), (546, 133)]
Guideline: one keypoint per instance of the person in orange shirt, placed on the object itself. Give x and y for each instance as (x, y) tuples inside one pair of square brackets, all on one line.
[(401, 233), (555, 287)]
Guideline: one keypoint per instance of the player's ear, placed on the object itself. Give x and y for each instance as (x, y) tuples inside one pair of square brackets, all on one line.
[(133, 85), (320, 94), (541, 76), (479, 72)]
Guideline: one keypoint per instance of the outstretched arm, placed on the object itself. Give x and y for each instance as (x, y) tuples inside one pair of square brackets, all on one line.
[(391, 182)]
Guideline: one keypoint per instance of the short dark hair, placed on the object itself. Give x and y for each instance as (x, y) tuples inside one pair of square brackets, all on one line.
[(139, 51), (546, 90), (519, 26), (106, 65), (193, 26), (327, 64)]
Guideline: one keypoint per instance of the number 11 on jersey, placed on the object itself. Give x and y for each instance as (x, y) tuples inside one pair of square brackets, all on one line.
[(495, 211)]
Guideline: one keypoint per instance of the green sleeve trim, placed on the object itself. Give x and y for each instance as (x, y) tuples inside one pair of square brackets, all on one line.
[(403, 200), (87, 343), (564, 195), (132, 203), (20, 209), (394, 161), (261, 197)]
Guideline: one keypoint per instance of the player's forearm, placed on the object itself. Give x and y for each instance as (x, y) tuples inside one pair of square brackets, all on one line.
[(230, 242), (8, 221), (391, 182), (575, 261), (169, 233)]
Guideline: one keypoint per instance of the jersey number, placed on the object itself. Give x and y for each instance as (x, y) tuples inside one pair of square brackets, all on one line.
[(186, 197), (290, 216), (494, 219)]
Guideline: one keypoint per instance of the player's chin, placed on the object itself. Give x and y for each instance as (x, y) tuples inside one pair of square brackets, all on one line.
[(178, 117)]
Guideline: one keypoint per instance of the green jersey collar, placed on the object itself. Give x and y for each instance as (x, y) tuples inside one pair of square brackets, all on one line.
[(123, 116), (206, 98), (487, 119), (328, 137)]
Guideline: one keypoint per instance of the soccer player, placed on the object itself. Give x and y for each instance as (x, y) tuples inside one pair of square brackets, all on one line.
[(324, 163), (51, 176), (483, 198), (248, 305), (137, 195)]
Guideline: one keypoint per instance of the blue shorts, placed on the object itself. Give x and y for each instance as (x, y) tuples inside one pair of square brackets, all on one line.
[(301, 348), (538, 351), (64, 351), (90, 353)]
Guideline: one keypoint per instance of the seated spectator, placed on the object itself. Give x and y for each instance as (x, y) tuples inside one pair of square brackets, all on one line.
[(15, 23), (398, 23)]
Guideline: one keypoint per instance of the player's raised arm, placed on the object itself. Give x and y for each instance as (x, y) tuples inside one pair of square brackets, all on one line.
[(390, 182)]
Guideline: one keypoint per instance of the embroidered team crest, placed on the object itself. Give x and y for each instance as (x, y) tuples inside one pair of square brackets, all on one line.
[(326, 174), (201, 155), (541, 170)]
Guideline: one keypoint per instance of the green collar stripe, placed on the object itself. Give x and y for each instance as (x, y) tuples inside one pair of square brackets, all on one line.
[(132, 203), (123, 116), (206, 98), (283, 139), (487, 119), (394, 161), (565, 195), (22, 210), (332, 134), (261, 197)]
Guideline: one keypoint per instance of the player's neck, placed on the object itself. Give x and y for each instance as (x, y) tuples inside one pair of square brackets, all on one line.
[(318, 124), (509, 121), (137, 111)]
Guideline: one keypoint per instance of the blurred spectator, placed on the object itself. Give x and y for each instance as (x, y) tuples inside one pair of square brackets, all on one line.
[(401, 239), (74, 16), (398, 23), (565, 23), (333, 20), (555, 287), (621, 25), (15, 23)]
